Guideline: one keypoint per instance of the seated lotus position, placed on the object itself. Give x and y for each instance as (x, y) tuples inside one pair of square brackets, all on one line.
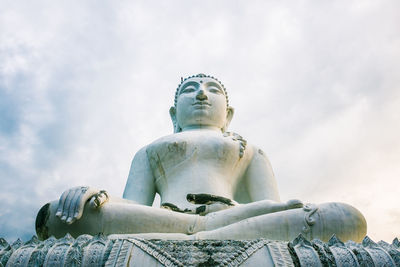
[(212, 185)]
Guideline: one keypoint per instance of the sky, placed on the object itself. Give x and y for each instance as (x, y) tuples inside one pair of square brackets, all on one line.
[(315, 84)]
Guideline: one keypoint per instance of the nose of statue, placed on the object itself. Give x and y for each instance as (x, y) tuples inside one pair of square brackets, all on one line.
[(201, 95)]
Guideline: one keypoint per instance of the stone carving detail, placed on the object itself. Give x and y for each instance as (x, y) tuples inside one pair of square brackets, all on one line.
[(120, 253), (392, 249), (378, 254), (310, 209), (343, 255), (325, 255), (159, 253), (209, 253), (39, 255), (99, 250), (82, 251), (56, 254), (362, 255), (305, 252), (96, 251), (22, 255), (7, 250), (280, 253)]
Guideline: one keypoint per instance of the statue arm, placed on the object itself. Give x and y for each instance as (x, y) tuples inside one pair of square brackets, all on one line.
[(140, 186), (259, 178), (139, 189)]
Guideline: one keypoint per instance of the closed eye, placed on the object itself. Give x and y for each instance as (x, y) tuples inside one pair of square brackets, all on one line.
[(188, 89), (215, 90)]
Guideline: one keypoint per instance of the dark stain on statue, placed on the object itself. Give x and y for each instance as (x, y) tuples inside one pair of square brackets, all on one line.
[(159, 166), (41, 220), (170, 206), (178, 148), (200, 210), (208, 199)]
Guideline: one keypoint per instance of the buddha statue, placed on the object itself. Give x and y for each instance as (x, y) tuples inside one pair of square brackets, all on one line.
[(212, 185)]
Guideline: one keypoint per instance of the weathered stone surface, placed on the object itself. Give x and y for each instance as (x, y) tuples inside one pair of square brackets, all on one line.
[(99, 250)]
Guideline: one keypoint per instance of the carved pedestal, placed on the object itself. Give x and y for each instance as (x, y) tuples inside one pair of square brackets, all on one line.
[(87, 250)]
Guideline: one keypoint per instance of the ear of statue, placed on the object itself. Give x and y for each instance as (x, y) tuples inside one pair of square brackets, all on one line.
[(229, 116), (172, 113)]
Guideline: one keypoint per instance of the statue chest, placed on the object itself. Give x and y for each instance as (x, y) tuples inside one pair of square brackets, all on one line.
[(205, 153)]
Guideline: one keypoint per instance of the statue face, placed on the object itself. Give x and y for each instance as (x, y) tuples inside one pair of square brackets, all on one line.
[(201, 103)]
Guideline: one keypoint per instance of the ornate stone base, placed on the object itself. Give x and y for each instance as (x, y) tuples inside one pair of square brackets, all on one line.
[(87, 250)]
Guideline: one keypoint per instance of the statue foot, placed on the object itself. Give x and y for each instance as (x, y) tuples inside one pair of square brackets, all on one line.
[(294, 204)]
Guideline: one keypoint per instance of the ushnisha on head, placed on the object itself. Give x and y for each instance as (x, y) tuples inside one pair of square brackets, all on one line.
[(201, 102)]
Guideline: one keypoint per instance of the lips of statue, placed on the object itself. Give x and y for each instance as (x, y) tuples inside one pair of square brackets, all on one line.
[(201, 104)]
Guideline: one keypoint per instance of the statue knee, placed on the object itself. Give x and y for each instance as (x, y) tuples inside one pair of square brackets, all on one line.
[(343, 220), (42, 217), (47, 224)]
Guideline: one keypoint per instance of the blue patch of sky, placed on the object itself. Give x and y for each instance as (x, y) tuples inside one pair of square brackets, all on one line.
[(12, 226), (9, 114), (12, 102)]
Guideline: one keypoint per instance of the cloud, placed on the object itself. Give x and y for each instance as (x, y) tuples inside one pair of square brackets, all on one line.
[(83, 87)]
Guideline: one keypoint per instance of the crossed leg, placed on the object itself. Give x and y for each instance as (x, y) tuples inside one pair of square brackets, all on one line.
[(132, 220), (320, 222)]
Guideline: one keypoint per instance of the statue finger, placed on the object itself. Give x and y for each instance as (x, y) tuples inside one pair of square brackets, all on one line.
[(201, 210), (67, 203), (85, 194), (214, 207), (207, 199), (72, 205), (92, 204), (217, 207), (61, 203)]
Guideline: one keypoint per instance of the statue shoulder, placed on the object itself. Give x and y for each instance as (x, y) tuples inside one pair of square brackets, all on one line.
[(259, 152), (140, 157), (156, 145), (162, 139), (256, 154), (259, 162)]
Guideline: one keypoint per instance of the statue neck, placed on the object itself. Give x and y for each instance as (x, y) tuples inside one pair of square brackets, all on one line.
[(201, 128)]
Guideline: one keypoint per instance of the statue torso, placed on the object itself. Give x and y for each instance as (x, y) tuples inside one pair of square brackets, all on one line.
[(198, 161)]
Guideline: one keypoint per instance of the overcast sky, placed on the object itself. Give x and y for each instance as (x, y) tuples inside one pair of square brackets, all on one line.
[(86, 84)]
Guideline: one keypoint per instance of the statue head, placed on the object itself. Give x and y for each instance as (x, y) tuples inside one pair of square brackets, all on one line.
[(201, 101)]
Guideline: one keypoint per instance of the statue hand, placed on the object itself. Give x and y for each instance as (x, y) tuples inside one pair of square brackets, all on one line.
[(210, 203), (209, 199), (212, 207), (72, 202)]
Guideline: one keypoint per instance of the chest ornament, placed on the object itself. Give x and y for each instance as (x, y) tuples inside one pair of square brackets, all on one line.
[(238, 138)]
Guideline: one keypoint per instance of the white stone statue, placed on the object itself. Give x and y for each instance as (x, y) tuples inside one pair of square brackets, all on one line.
[(212, 184)]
